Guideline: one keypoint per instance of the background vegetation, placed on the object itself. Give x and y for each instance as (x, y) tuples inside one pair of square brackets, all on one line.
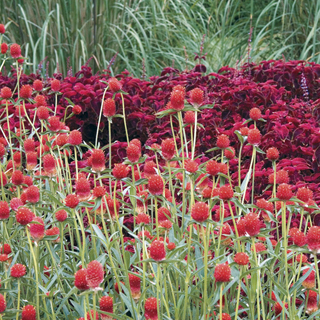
[(151, 34)]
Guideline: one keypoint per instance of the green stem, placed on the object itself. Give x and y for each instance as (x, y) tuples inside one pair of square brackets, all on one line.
[(100, 114), (124, 118)]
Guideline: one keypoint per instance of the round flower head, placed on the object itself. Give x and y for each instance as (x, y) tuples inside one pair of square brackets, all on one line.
[(37, 229), (155, 185), (114, 85), (151, 309), (2, 29), (32, 160), (212, 167), (99, 191), (17, 177), (83, 189), (171, 246), (157, 250), (222, 273), (61, 215), (76, 109), (54, 231), (241, 258), (191, 166), (273, 154), (109, 108), (26, 92), (29, 145), (71, 201), (120, 171), (189, 118), (163, 214), (310, 281), (24, 215), (168, 148), (230, 153), (259, 247), (15, 203), (284, 192), (37, 85), (4, 48), (4, 210), (142, 218), (106, 305), (75, 138), (133, 152), (149, 169), (252, 224), (223, 141), (3, 304), (80, 279), (225, 192), (43, 113), (95, 274), (33, 194), (225, 316), (28, 313), (255, 114), (312, 305), (313, 238), (196, 97), (135, 285), (49, 164), (97, 160), (254, 136), (54, 123), (200, 211), (304, 194), (18, 270), (6, 93), (55, 85), (177, 100), (15, 51)]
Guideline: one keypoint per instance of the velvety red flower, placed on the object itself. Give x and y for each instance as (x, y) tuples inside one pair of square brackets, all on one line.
[(273, 154), (120, 171), (254, 136), (61, 215), (32, 160), (24, 215), (18, 270), (225, 192), (142, 218), (29, 145), (6, 93), (189, 118), (168, 148), (252, 224), (191, 166), (223, 141), (225, 316), (155, 185), (99, 191), (2, 29), (259, 247), (177, 100), (304, 194), (4, 210), (33, 194), (26, 92), (114, 84), (163, 214), (37, 85), (43, 113), (3, 304), (71, 200), (49, 164), (133, 152), (241, 258), (149, 169), (171, 246), (135, 285), (312, 304), (28, 313), (54, 231), (151, 309), (55, 85), (4, 48), (213, 167), (229, 153), (95, 274), (196, 97), (37, 229), (284, 192), (76, 109), (278, 309), (54, 123), (15, 51), (255, 114), (313, 238), (80, 279), (222, 273), (75, 138), (106, 305), (17, 177), (310, 281), (109, 108), (200, 212), (157, 250)]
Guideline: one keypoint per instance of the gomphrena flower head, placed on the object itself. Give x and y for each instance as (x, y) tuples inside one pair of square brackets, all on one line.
[(225, 316), (32, 160), (168, 148), (75, 138), (157, 250), (29, 145), (189, 118), (54, 123), (304, 194), (133, 152), (142, 218), (149, 169), (310, 281), (200, 211), (4, 48), (212, 167), (114, 84), (255, 114), (95, 274), (191, 166), (284, 192), (24, 215), (4, 210), (223, 141), (313, 238), (155, 185), (17, 177), (43, 113), (225, 192), (222, 273), (33, 194), (15, 203), (120, 171), (76, 109), (3, 304), (26, 92), (61, 215), (91, 313), (71, 201), (135, 285), (252, 224), (28, 313), (241, 258), (229, 153), (99, 191), (80, 279), (15, 51), (6, 93), (2, 29), (163, 214), (151, 309), (254, 136), (18, 270), (177, 100), (54, 231), (196, 97), (49, 164), (37, 85), (55, 85), (109, 108), (83, 189), (106, 305), (37, 229), (273, 154)]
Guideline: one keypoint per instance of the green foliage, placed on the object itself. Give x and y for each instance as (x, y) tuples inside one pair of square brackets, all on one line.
[(151, 34)]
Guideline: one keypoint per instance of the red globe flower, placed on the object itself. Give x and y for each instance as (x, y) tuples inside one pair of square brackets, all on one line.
[(222, 273), (18, 270)]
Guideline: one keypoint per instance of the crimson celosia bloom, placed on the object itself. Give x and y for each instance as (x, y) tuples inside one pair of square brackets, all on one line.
[(28, 313), (37, 229), (24, 215), (109, 108), (4, 210), (18, 270), (106, 305), (200, 211), (95, 274), (80, 279), (222, 273), (155, 185), (151, 309), (157, 250), (15, 51)]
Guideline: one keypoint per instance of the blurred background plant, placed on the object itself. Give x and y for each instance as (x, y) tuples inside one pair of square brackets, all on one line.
[(151, 34)]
